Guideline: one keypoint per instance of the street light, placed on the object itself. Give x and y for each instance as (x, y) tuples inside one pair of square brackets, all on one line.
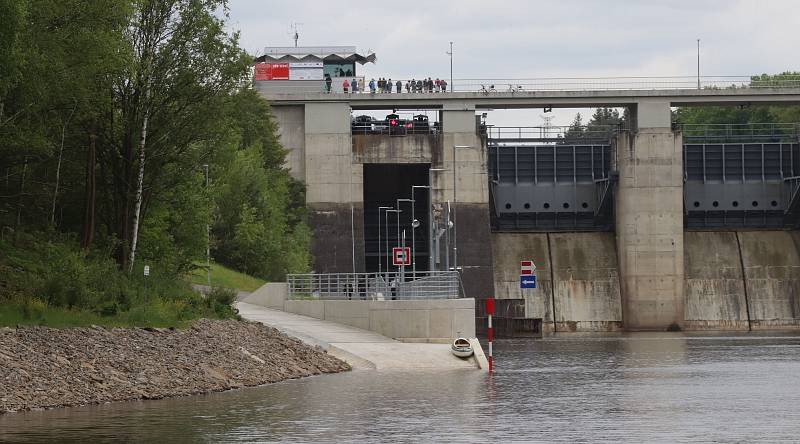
[(413, 226), (397, 212), (432, 227), (455, 200), (450, 53), (380, 209)]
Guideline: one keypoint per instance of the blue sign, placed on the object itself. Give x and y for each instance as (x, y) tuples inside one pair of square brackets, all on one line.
[(527, 281)]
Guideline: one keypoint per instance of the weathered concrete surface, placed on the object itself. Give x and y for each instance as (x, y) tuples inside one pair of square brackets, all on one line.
[(581, 290), (270, 295), (291, 133), (649, 228), (427, 320), (335, 228), (412, 148), (587, 296), (715, 297), (772, 269), (361, 349), (507, 250)]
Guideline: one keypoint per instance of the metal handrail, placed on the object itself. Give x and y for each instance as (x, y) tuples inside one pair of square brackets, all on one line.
[(527, 85), (374, 286), (746, 132), (499, 134)]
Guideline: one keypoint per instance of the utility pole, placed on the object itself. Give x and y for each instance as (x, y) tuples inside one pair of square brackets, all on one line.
[(450, 53), (698, 63)]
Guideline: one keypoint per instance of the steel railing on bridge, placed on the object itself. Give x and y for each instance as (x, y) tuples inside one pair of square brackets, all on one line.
[(375, 286), (498, 135), (740, 133)]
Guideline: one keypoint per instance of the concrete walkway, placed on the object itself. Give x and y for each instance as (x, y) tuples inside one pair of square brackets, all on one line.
[(361, 349)]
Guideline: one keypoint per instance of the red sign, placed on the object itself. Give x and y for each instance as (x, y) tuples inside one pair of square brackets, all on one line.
[(489, 306), (401, 256), (272, 71), (526, 267)]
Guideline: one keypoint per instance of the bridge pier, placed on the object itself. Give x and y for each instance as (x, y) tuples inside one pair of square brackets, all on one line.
[(334, 189), (471, 200), (649, 220)]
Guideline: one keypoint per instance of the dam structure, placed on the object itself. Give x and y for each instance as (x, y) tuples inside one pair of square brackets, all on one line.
[(654, 226)]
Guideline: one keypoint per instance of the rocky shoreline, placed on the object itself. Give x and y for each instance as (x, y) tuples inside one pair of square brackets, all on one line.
[(42, 368)]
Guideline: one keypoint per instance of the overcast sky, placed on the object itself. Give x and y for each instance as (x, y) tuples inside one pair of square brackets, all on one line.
[(530, 39)]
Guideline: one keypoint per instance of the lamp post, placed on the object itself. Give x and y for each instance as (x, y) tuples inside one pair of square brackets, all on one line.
[(698, 63), (403, 240), (450, 53), (380, 209), (414, 229), (397, 212), (455, 200), (432, 229)]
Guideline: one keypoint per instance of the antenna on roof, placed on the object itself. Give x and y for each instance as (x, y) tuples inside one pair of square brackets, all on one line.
[(294, 29)]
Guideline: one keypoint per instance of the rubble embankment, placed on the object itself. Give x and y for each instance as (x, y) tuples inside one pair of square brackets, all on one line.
[(44, 367)]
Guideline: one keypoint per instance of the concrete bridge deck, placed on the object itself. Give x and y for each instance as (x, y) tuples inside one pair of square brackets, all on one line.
[(538, 99), (361, 349)]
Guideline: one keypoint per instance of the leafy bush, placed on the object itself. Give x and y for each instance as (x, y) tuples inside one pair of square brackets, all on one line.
[(220, 301), (47, 279)]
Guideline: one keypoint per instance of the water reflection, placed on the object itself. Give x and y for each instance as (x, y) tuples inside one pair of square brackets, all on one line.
[(645, 387)]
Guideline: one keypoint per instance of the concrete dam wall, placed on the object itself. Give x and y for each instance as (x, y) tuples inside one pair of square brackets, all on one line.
[(742, 280), (578, 279)]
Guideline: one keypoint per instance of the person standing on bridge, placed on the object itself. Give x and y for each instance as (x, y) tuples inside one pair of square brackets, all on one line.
[(444, 85), (399, 87), (346, 86), (328, 82), (372, 86), (389, 86), (354, 85), (408, 85)]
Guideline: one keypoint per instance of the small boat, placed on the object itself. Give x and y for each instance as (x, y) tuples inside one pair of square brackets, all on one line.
[(461, 348)]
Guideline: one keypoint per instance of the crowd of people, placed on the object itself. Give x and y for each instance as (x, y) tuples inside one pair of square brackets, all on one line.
[(428, 85), (388, 86)]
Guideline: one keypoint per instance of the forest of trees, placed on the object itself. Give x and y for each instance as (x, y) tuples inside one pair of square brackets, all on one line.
[(111, 114)]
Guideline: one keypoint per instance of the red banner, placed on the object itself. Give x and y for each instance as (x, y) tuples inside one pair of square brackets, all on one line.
[(272, 71)]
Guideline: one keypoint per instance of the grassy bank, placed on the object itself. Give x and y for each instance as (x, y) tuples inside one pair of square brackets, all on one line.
[(47, 280), (222, 276)]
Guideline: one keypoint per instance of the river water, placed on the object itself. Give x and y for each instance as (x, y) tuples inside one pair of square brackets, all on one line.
[(636, 388)]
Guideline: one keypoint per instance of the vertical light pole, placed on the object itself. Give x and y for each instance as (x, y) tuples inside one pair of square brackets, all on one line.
[(414, 229), (455, 201), (431, 229), (396, 212), (698, 63), (386, 235), (403, 239), (380, 256), (208, 234), (450, 53)]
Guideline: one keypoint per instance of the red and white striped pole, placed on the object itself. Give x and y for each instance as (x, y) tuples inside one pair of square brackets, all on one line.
[(489, 331)]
